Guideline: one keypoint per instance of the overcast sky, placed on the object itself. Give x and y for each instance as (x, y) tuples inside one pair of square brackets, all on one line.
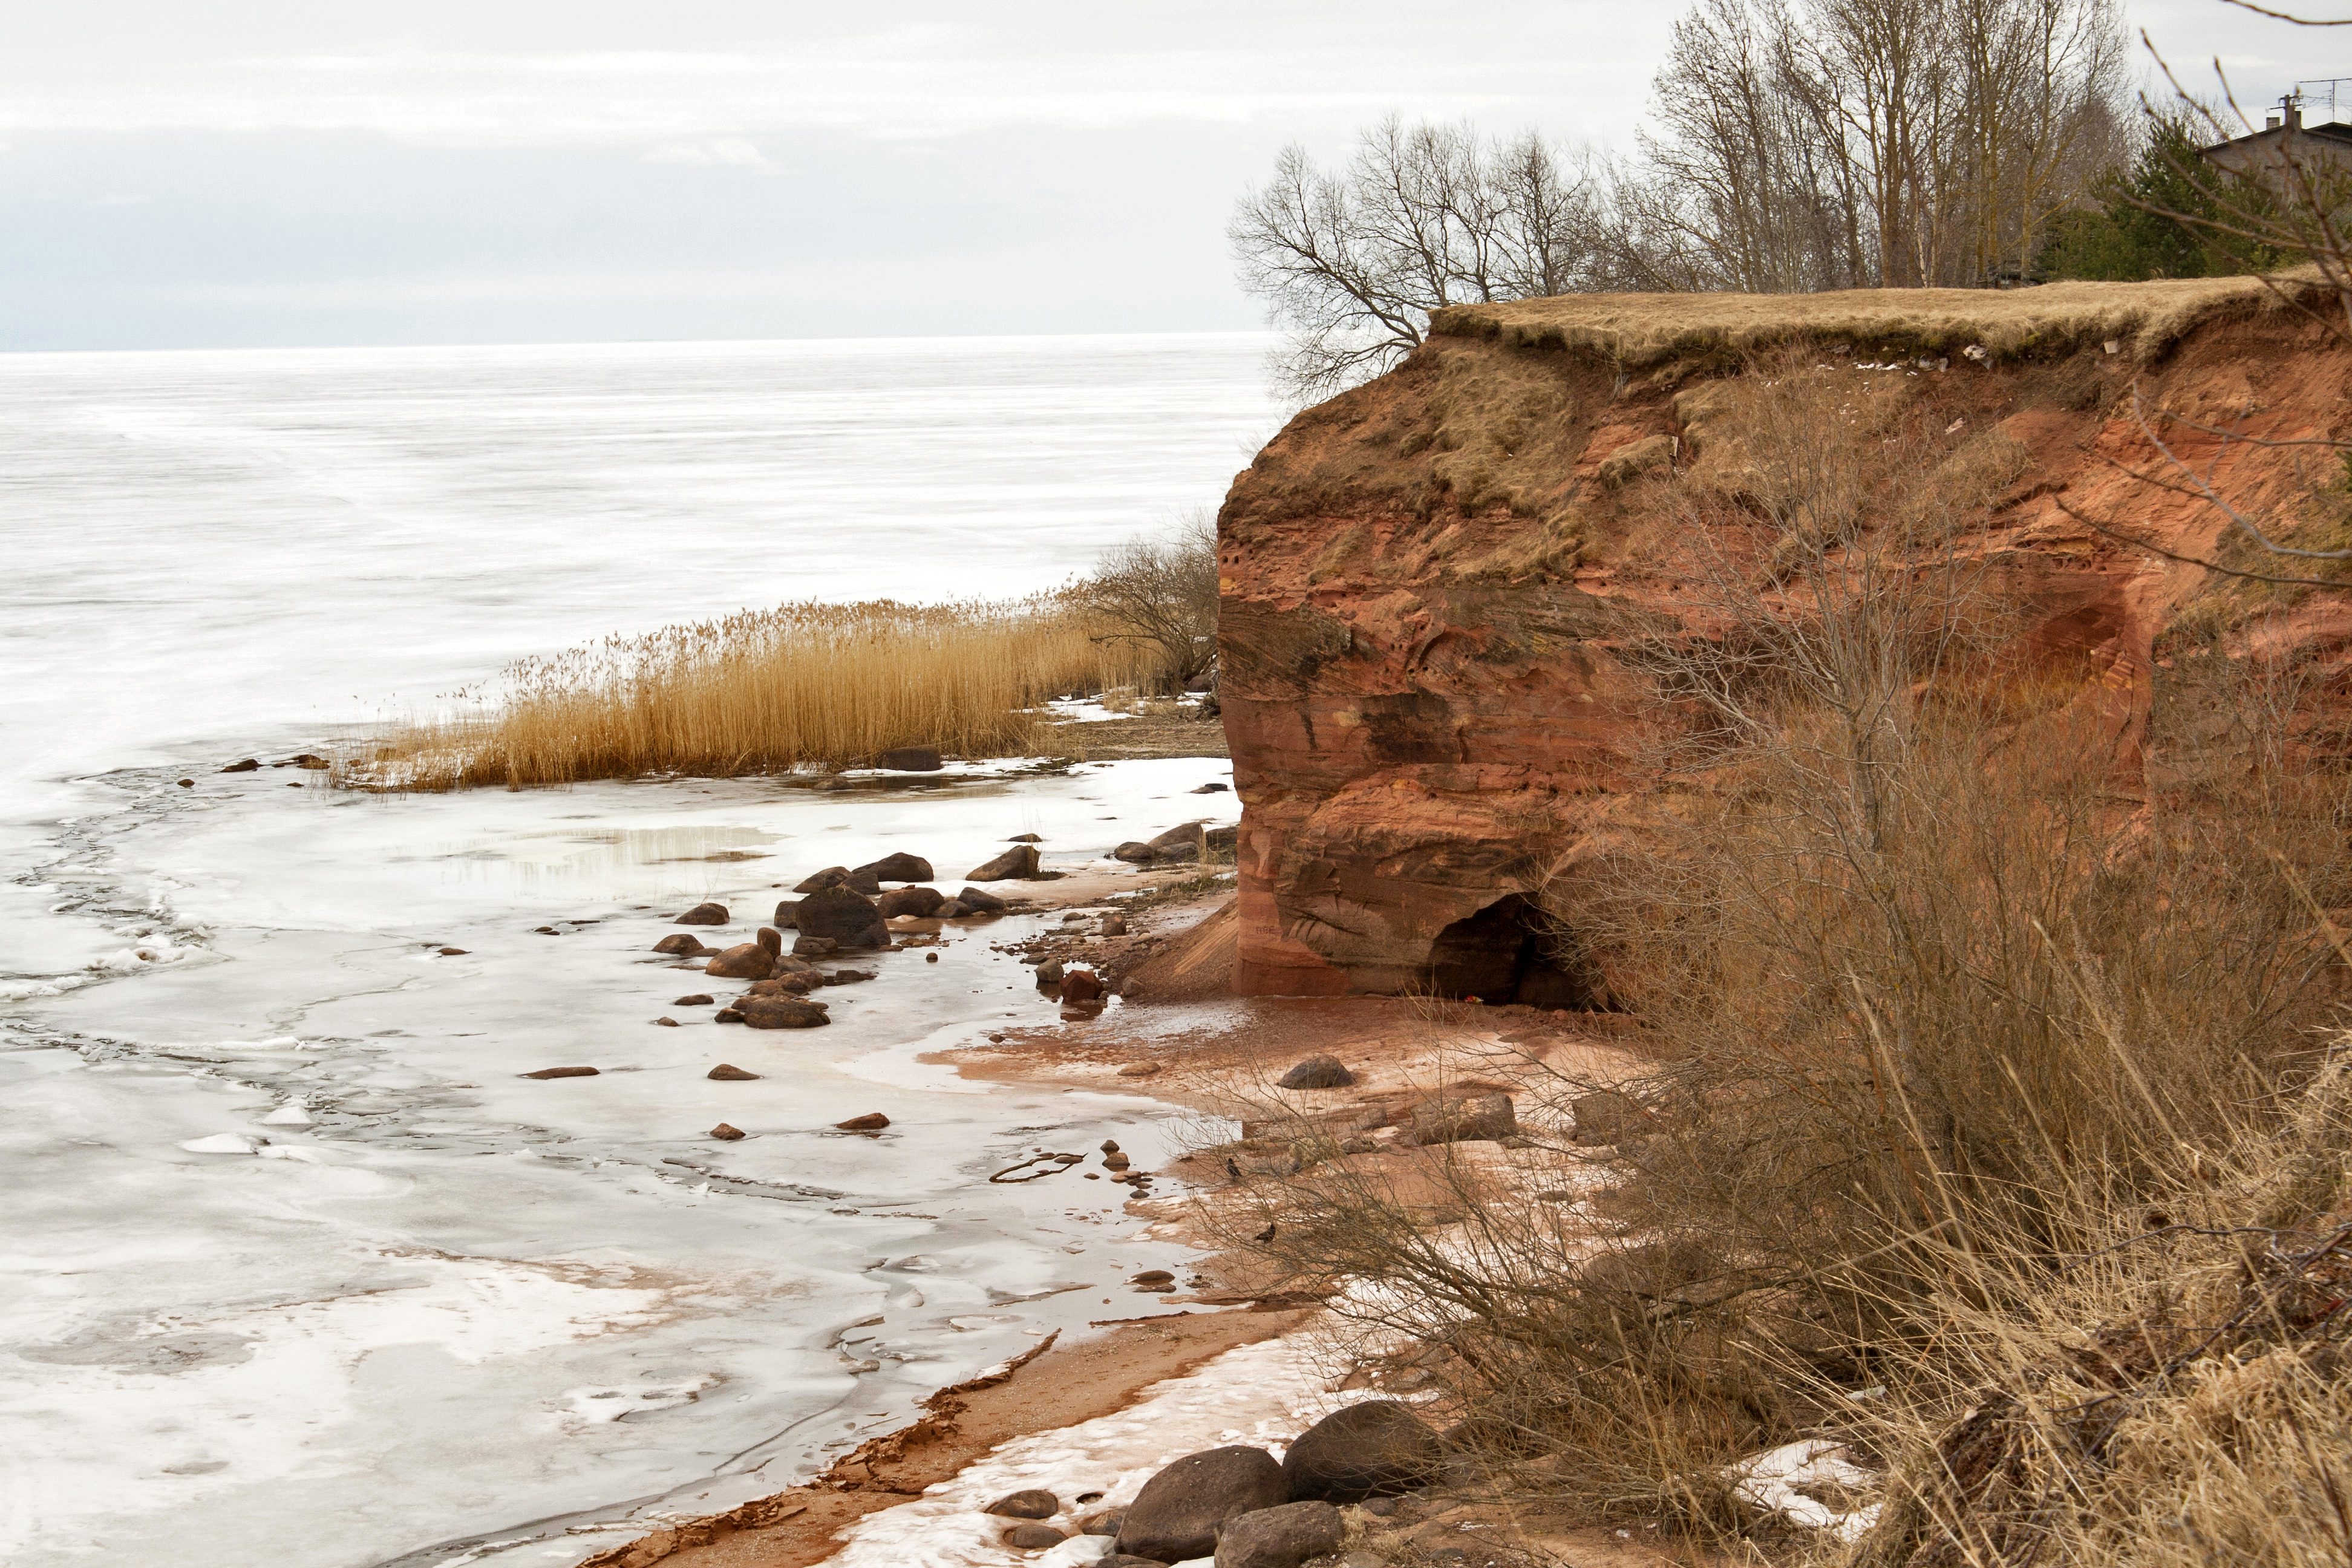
[(198, 173)]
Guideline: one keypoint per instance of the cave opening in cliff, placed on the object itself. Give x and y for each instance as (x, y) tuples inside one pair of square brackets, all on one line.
[(1508, 952)]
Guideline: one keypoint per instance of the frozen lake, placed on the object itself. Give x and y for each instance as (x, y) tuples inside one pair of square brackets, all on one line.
[(442, 1301)]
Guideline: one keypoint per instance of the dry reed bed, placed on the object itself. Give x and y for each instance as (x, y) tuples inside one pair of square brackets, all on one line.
[(772, 691)]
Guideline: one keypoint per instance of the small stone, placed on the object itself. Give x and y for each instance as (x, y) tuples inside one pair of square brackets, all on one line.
[(187, 783), (980, 901), (1139, 1070), (897, 867), (1049, 974), (1032, 1503), (931, 958), (1112, 925), (1134, 852), (1017, 864), (817, 881), (1103, 1523), (1153, 1277), (681, 945), (920, 902), (728, 1073), (909, 760), (1113, 1162), (725, 1134), (545, 931), (874, 1121), (704, 915), (563, 1072), (815, 947), (1281, 1537), (784, 919), (951, 910), (1082, 985), (667, 1023), (1212, 789), (1024, 838), (1109, 1146), (1033, 1537), (780, 1013), (453, 952), (697, 1000), (1317, 1072), (727, 1015), (744, 961), (243, 766)]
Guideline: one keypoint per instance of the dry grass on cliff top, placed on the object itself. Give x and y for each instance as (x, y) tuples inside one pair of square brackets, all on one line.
[(771, 690), (1640, 330)]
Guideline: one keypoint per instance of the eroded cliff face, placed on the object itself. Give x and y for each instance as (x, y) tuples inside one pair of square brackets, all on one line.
[(1429, 581)]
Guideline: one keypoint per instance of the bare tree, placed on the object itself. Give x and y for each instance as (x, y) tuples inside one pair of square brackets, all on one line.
[(1161, 593), (1851, 142), (1351, 262)]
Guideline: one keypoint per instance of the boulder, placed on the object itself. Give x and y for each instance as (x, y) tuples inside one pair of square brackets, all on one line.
[(1608, 1116), (781, 1013), (726, 1072), (1112, 925), (798, 981), (1134, 852), (817, 881), (874, 1121), (681, 945), (1156, 1279), (1177, 1515), (1379, 1447), (949, 911), (1316, 1072), (1030, 1504), (1082, 985), (1190, 833), (920, 902), (1175, 855), (725, 1134), (1464, 1119), (1223, 841), (744, 961), (1280, 1537), (727, 1015), (1049, 974), (1024, 838), (783, 919), (909, 760), (696, 999), (981, 902), (1103, 1523), (899, 867), (771, 939), (1033, 1537), (243, 766), (1211, 789), (1018, 864), (847, 919), (1126, 1560), (563, 1072), (704, 915), (815, 947), (862, 881)]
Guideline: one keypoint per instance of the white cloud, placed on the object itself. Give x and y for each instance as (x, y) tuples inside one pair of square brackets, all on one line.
[(717, 151)]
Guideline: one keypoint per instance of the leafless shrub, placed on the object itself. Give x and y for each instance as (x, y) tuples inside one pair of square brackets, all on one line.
[(1159, 596)]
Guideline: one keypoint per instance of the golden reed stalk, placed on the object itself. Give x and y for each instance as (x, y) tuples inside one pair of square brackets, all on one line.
[(769, 691)]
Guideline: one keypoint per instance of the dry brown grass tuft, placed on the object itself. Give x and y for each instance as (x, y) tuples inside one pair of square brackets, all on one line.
[(1637, 331), (769, 691)]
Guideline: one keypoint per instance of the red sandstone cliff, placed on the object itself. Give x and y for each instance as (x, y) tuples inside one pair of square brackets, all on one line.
[(1426, 580)]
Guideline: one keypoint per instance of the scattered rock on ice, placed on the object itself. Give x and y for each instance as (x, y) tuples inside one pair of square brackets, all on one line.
[(727, 1015), (243, 766), (1177, 1515), (1030, 1504), (1186, 835), (1211, 789), (1112, 925), (951, 910), (780, 1013), (223, 1144), (453, 952), (784, 919), (1081, 986), (1139, 1070), (909, 760), (563, 1072), (814, 946), (981, 902), (1134, 852), (1159, 1278), (1024, 838), (1049, 974), (1018, 864), (817, 881), (1280, 1537), (897, 867), (744, 961), (696, 999), (187, 783), (848, 919), (1317, 1072), (1034, 1537), (725, 1134), (920, 902), (704, 915), (1376, 1448), (681, 944), (667, 1023), (874, 1121), (726, 1072)]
